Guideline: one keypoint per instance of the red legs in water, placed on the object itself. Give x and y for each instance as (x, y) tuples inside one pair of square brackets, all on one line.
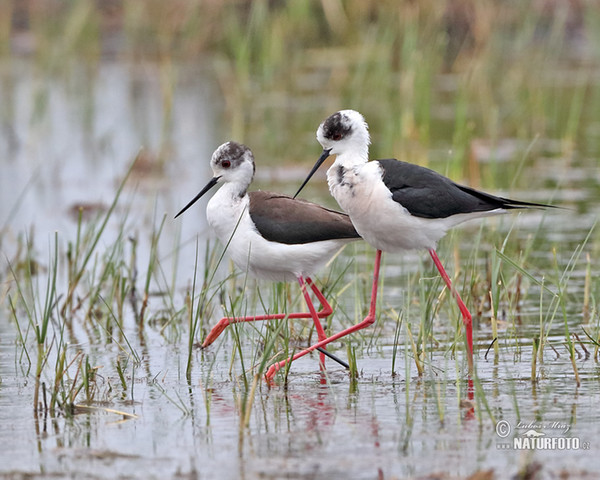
[(325, 311), (369, 320), (462, 307), (314, 314), (468, 329)]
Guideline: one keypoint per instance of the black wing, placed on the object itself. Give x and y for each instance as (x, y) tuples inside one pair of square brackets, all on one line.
[(425, 193), (283, 219)]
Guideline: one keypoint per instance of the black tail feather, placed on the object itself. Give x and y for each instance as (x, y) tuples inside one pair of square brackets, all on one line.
[(492, 201)]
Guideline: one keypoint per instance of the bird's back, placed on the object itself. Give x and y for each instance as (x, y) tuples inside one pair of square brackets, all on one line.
[(283, 219)]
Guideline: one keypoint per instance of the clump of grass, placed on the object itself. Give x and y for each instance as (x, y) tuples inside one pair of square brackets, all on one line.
[(102, 279), (150, 270), (396, 342), (80, 253), (38, 322), (351, 352), (415, 350), (64, 389)]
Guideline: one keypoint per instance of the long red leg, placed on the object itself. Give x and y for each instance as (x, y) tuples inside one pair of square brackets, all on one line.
[(325, 311), (462, 307), (313, 313), (369, 320)]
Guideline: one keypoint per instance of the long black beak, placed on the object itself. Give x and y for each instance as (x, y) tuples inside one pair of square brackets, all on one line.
[(209, 185), (320, 161)]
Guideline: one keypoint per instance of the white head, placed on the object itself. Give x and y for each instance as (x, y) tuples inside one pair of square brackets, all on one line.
[(345, 131), (232, 163)]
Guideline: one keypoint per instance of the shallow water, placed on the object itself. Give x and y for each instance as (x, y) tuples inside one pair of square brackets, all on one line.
[(390, 424), (383, 425)]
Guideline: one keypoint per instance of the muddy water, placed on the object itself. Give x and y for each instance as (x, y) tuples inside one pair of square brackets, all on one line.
[(386, 424)]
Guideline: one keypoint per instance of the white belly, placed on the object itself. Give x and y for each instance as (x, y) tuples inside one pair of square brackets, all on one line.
[(229, 218), (382, 222)]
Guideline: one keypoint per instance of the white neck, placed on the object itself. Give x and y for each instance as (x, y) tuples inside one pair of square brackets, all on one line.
[(353, 157), (229, 196)]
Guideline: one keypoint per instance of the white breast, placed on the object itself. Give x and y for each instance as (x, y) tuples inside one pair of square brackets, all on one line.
[(382, 222)]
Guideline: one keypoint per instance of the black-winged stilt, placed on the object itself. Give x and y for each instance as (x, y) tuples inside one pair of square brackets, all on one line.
[(271, 236), (396, 205)]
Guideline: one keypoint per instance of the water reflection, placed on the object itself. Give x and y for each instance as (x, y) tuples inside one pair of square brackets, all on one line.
[(72, 137)]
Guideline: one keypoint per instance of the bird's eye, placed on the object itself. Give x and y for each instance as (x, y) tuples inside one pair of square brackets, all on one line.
[(337, 136), (226, 164)]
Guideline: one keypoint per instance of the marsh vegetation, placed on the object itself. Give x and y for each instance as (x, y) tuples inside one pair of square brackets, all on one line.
[(109, 113)]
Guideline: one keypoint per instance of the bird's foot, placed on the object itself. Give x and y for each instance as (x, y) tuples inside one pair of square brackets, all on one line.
[(216, 331)]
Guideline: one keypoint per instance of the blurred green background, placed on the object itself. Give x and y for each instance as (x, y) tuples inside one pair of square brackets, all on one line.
[(468, 87)]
